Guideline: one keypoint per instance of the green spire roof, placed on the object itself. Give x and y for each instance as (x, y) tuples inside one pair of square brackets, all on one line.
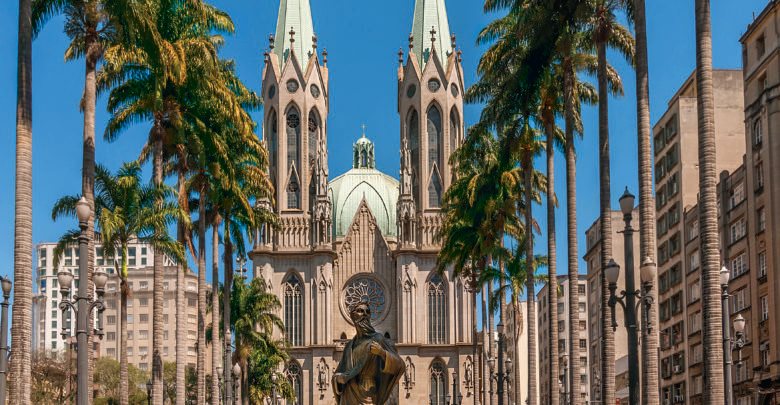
[(294, 15), (430, 14)]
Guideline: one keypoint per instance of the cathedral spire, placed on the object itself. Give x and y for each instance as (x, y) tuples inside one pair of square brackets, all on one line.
[(431, 15), (294, 31)]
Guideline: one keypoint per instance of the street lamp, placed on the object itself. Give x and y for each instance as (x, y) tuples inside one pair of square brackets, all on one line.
[(5, 282), (502, 376), (236, 380), (457, 399), (565, 382), (241, 261), (628, 297), (82, 305), (730, 344), (149, 392), (220, 377), (273, 389)]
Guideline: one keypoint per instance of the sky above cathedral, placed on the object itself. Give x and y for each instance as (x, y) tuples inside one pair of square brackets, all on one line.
[(362, 39)]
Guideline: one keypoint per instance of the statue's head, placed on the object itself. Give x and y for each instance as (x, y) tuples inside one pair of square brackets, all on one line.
[(360, 314)]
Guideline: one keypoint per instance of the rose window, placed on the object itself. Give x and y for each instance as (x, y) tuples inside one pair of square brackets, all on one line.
[(365, 290)]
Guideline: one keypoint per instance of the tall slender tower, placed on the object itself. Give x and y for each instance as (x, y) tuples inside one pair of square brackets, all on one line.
[(295, 93), (430, 103)]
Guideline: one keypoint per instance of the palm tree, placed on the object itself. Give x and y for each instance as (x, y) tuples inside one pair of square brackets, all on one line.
[(607, 32), (647, 246), (146, 87), (708, 209), (21, 323), (126, 211)]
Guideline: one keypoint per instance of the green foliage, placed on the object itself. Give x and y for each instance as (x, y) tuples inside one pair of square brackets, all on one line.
[(106, 381)]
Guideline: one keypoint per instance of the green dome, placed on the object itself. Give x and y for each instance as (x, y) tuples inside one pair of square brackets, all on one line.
[(378, 189)]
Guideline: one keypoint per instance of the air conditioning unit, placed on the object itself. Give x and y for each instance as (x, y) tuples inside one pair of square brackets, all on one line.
[(677, 369)]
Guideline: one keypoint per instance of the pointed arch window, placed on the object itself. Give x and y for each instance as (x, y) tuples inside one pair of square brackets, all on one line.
[(454, 130), (273, 141), (313, 145), (438, 394), (294, 376), (293, 158), (293, 310), (437, 310), (413, 132), (434, 156)]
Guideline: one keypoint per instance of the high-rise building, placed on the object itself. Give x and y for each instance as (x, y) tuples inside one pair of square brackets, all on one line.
[(593, 260), (48, 320), (543, 333), (761, 72), (364, 236), (677, 185)]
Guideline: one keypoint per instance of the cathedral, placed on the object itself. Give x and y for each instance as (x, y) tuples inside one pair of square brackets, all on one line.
[(366, 236)]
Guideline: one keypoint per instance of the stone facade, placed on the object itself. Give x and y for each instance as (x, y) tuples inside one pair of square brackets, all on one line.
[(365, 236)]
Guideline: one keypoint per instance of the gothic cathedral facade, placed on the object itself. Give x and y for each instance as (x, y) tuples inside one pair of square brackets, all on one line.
[(363, 235)]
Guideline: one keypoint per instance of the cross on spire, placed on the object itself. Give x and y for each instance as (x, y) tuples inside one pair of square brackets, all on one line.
[(363, 127)]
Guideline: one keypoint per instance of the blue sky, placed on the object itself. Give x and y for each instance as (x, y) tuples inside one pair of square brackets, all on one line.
[(362, 39)]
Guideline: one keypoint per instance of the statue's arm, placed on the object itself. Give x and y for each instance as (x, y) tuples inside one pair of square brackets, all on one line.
[(393, 362)]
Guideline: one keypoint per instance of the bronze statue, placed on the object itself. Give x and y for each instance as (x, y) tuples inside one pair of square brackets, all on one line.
[(370, 367)]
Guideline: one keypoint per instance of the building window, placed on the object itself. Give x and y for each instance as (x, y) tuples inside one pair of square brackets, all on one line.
[(764, 308), (739, 265), (143, 334), (111, 336), (694, 322), (761, 219), (143, 302), (741, 300), (437, 310), (143, 285), (760, 46), (737, 195), (737, 230), (293, 373), (192, 302), (764, 354), (438, 392), (762, 264), (293, 310), (144, 318), (293, 158), (693, 230), (413, 134), (694, 291), (111, 320), (757, 133), (434, 157)]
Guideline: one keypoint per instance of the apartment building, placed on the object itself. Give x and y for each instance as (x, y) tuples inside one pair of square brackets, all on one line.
[(761, 72), (677, 186), (543, 333), (593, 260), (48, 323)]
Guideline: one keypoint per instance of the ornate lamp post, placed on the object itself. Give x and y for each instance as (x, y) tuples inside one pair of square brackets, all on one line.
[(627, 298), (236, 382), (730, 344), (82, 305), (219, 377), (504, 367), (565, 382), (5, 282), (273, 389), (241, 261), (455, 399)]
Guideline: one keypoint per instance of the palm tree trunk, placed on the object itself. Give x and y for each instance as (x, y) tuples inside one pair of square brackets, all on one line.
[(650, 389), (215, 341), (88, 156), (228, 269), (21, 321), (571, 218), (124, 290), (552, 266), (157, 284), (181, 311), (201, 385), (490, 338), (517, 327), (708, 210), (607, 358), (530, 282)]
